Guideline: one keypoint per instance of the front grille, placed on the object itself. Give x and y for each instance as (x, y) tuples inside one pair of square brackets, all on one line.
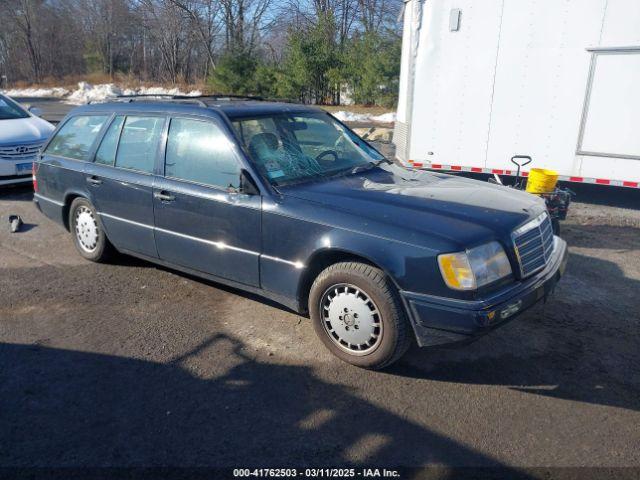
[(533, 243), (26, 152)]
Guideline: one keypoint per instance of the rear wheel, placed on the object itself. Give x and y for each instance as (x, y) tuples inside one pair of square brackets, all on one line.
[(88, 234), (357, 314)]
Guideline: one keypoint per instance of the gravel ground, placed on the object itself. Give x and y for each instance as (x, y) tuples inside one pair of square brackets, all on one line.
[(129, 364)]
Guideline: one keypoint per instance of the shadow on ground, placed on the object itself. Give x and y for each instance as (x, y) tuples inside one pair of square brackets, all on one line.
[(21, 192), (62, 407)]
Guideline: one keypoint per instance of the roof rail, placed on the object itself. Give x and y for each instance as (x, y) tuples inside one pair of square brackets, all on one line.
[(221, 97), (142, 95), (167, 97), (199, 99), (163, 96)]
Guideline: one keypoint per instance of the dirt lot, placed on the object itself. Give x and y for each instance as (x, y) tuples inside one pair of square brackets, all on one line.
[(130, 364)]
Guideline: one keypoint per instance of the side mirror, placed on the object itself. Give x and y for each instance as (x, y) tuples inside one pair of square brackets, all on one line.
[(247, 184), (35, 111)]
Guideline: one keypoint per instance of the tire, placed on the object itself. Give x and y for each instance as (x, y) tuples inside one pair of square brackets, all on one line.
[(350, 302), (87, 231)]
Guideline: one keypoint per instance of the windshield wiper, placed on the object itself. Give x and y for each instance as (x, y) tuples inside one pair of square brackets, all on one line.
[(336, 173), (367, 166)]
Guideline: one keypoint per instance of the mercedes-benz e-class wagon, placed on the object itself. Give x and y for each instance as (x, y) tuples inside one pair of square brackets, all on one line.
[(285, 201)]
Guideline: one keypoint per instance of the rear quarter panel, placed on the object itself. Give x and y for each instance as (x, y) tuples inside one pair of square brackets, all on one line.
[(59, 179)]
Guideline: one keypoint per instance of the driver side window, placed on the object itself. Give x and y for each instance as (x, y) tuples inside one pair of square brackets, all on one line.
[(265, 144), (199, 151)]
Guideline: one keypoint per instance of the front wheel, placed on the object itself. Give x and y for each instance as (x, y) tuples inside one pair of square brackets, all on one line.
[(357, 314), (86, 229)]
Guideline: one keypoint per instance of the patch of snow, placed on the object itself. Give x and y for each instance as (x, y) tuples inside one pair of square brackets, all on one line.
[(92, 93), (56, 92), (87, 92), (389, 117), (166, 91), (346, 116)]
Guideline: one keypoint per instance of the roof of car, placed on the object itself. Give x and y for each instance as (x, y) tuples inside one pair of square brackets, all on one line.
[(197, 106)]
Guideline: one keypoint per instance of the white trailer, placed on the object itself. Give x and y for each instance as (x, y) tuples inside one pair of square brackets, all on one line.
[(558, 80)]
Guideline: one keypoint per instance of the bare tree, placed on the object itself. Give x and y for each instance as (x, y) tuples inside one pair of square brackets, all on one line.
[(378, 14), (105, 22), (298, 48), (204, 15), (24, 14), (244, 21)]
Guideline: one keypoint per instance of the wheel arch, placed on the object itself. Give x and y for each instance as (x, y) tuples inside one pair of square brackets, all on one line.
[(323, 258), (68, 200)]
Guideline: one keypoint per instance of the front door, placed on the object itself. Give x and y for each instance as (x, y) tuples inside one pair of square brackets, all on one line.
[(121, 180), (201, 221)]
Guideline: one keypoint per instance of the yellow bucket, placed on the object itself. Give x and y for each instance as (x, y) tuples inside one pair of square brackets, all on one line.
[(541, 180)]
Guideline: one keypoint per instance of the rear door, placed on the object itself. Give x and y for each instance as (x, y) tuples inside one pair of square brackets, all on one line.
[(201, 220), (121, 180)]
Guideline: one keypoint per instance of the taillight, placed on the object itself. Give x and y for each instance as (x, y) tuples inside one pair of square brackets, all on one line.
[(34, 171)]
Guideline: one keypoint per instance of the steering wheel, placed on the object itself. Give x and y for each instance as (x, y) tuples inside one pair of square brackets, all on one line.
[(322, 161)]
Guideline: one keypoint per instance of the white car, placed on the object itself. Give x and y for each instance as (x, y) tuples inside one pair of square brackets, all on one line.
[(22, 134)]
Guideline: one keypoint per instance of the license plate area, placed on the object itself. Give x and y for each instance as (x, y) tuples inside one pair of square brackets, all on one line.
[(22, 168)]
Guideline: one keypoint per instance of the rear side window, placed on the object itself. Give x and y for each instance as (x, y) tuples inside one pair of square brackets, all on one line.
[(106, 154), (139, 143), (76, 137), (199, 151)]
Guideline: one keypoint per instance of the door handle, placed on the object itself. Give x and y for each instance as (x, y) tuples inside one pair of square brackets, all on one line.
[(93, 180), (164, 196)]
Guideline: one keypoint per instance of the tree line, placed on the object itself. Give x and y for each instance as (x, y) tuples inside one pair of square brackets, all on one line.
[(316, 51)]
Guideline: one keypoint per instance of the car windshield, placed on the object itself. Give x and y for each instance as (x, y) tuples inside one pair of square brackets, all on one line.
[(296, 147), (10, 110)]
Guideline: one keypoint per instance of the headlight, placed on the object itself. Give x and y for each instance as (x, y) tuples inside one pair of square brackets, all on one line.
[(474, 268)]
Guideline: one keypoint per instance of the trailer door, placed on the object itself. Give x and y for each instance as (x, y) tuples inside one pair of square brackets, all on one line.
[(612, 114)]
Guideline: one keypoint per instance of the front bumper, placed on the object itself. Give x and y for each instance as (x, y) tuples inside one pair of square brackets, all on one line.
[(15, 179), (439, 321), (12, 171)]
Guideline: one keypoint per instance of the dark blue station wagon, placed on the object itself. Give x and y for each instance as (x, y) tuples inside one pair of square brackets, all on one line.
[(285, 201)]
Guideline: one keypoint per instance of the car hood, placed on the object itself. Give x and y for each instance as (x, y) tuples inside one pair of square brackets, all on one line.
[(392, 201), (24, 130)]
